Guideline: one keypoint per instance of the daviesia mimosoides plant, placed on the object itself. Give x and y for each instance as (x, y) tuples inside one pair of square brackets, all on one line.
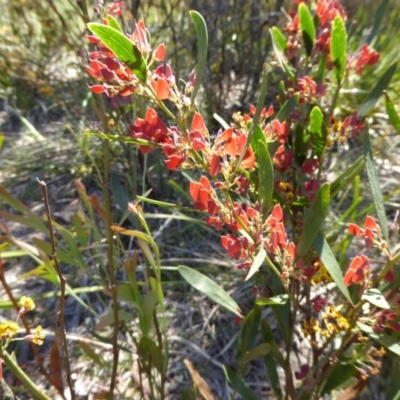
[(264, 184)]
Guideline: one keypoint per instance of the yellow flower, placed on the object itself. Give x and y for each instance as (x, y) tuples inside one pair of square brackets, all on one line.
[(38, 336), (8, 329), (26, 304)]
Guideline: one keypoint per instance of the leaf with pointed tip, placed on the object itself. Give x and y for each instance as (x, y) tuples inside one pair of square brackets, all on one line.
[(386, 341), (257, 262), (307, 27), (202, 47), (373, 180), (375, 297), (122, 47), (329, 260), (392, 113), (314, 220), (238, 385), (210, 289), (377, 91), (266, 177)]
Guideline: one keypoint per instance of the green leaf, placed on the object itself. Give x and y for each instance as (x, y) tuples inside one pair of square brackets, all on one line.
[(150, 353), (249, 331), (300, 144), (279, 57), (377, 91), (202, 46), (88, 350), (341, 376), (380, 13), (373, 181), (1, 141), (257, 262), (307, 27), (121, 138), (392, 114), (239, 386), (317, 131), (257, 352), (347, 176), (375, 297), (210, 289), (258, 136), (111, 21), (386, 341), (329, 260), (147, 309), (266, 177), (122, 47), (287, 108), (279, 299), (121, 197), (269, 359), (280, 39), (339, 46), (314, 220), (393, 387)]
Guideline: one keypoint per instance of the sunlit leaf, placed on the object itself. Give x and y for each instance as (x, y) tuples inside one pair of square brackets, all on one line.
[(122, 47), (327, 257), (257, 262), (202, 47), (374, 184), (266, 177), (392, 113), (317, 131), (307, 27), (279, 299), (210, 289), (375, 297), (339, 46), (386, 341)]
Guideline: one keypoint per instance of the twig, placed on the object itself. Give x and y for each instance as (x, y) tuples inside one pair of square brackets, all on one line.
[(61, 317)]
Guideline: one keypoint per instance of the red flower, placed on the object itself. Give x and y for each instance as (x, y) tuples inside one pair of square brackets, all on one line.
[(231, 143), (368, 233), (365, 56), (151, 128), (202, 194), (358, 272), (139, 38), (277, 238), (283, 159)]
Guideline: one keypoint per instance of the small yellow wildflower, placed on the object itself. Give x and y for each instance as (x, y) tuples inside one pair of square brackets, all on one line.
[(38, 336), (8, 329), (26, 304)]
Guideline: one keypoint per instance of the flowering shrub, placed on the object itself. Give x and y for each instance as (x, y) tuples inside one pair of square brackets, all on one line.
[(264, 185)]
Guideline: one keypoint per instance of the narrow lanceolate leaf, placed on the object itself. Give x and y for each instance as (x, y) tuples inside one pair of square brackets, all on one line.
[(314, 220), (258, 260), (239, 386), (386, 341), (279, 57), (280, 38), (266, 177), (202, 46), (111, 21), (393, 387), (317, 131), (210, 289), (287, 108), (329, 260), (380, 13), (270, 358), (392, 114), (307, 27), (377, 91), (272, 301), (122, 47), (375, 297), (373, 180), (339, 46)]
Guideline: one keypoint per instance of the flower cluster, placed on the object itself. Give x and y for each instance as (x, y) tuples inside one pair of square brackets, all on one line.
[(9, 329)]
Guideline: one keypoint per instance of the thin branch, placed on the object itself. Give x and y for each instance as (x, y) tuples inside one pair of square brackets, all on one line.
[(61, 317)]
